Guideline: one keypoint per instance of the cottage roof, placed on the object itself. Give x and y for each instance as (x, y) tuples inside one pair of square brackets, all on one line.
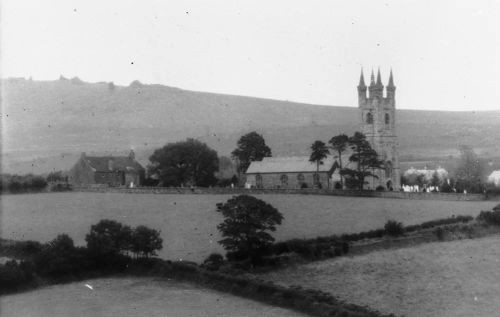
[(116, 163), (296, 164)]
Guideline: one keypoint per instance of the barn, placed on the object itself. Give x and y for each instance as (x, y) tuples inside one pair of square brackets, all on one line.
[(108, 170)]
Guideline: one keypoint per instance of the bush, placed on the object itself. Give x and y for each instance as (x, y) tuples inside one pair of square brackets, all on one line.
[(380, 188), (439, 233), (15, 276), (213, 262), (394, 228), (490, 217)]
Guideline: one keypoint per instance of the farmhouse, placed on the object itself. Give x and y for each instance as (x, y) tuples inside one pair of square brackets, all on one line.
[(290, 172), (377, 118), (109, 170)]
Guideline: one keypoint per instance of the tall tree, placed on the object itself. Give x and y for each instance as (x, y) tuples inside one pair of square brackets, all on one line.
[(339, 144), (365, 158), (251, 147), (189, 162), (319, 152), (246, 226), (469, 172)]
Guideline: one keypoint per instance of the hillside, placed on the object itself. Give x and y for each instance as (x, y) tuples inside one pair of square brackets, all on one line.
[(46, 124)]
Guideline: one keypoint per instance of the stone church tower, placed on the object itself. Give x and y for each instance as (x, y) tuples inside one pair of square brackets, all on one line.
[(378, 118)]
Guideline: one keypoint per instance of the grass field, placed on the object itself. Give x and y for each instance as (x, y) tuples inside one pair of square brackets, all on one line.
[(459, 278), (188, 222), (133, 297)]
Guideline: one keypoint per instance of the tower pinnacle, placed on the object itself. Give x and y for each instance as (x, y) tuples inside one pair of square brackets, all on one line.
[(391, 81), (362, 79), (372, 79), (379, 80)]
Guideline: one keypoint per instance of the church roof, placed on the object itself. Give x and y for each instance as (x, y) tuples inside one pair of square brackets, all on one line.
[(295, 164)]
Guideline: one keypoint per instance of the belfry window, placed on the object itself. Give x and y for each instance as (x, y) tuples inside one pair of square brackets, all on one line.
[(369, 118), (387, 118)]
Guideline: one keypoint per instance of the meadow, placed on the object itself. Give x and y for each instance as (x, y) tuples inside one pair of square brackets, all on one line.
[(133, 297), (188, 222), (458, 278)]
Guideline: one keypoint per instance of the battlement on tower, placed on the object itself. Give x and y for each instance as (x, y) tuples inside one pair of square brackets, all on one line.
[(377, 121)]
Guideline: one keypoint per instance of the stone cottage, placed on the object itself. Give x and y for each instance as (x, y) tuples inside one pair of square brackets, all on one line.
[(109, 170)]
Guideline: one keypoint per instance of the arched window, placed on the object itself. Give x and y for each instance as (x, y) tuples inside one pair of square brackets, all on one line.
[(316, 178), (284, 180), (300, 178), (369, 118), (387, 118), (388, 169), (258, 180)]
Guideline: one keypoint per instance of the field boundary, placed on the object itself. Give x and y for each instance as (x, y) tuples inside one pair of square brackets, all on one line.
[(304, 191)]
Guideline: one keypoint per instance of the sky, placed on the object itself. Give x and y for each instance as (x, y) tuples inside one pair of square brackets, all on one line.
[(444, 54)]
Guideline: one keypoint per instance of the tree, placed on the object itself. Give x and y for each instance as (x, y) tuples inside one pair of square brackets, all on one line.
[(319, 152), (109, 237), (469, 173), (339, 144), (145, 241), (251, 147), (247, 221), (365, 158), (436, 180), (190, 163)]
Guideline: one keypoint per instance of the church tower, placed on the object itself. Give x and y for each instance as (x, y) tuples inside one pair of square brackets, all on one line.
[(378, 118)]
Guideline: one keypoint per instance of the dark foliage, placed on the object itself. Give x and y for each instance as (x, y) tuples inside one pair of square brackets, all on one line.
[(108, 238), (251, 147), (213, 262), (246, 225), (319, 152), (366, 160), (394, 228), (22, 183), (145, 241), (439, 222), (186, 163), (16, 276), (490, 217)]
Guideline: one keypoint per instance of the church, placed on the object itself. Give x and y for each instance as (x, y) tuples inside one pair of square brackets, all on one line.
[(377, 121)]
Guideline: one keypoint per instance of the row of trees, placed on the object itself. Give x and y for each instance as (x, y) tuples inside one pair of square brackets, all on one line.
[(193, 163), (362, 154)]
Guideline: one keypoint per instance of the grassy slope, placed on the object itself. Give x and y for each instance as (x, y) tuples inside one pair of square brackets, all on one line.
[(53, 121), (188, 222), (458, 278), (128, 296)]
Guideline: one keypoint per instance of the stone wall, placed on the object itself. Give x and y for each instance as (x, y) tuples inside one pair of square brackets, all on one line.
[(305, 191)]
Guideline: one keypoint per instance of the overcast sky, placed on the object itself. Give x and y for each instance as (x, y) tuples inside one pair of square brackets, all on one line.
[(444, 54)]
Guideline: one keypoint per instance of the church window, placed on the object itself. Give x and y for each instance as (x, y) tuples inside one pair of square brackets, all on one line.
[(316, 178), (258, 180), (387, 118), (388, 169), (300, 178), (284, 180), (369, 118)]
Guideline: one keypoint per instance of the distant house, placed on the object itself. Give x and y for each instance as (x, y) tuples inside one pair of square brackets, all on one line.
[(290, 172), (110, 170), (494, 178)]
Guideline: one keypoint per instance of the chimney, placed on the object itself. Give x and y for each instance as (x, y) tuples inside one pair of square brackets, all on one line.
[(131, 155)]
